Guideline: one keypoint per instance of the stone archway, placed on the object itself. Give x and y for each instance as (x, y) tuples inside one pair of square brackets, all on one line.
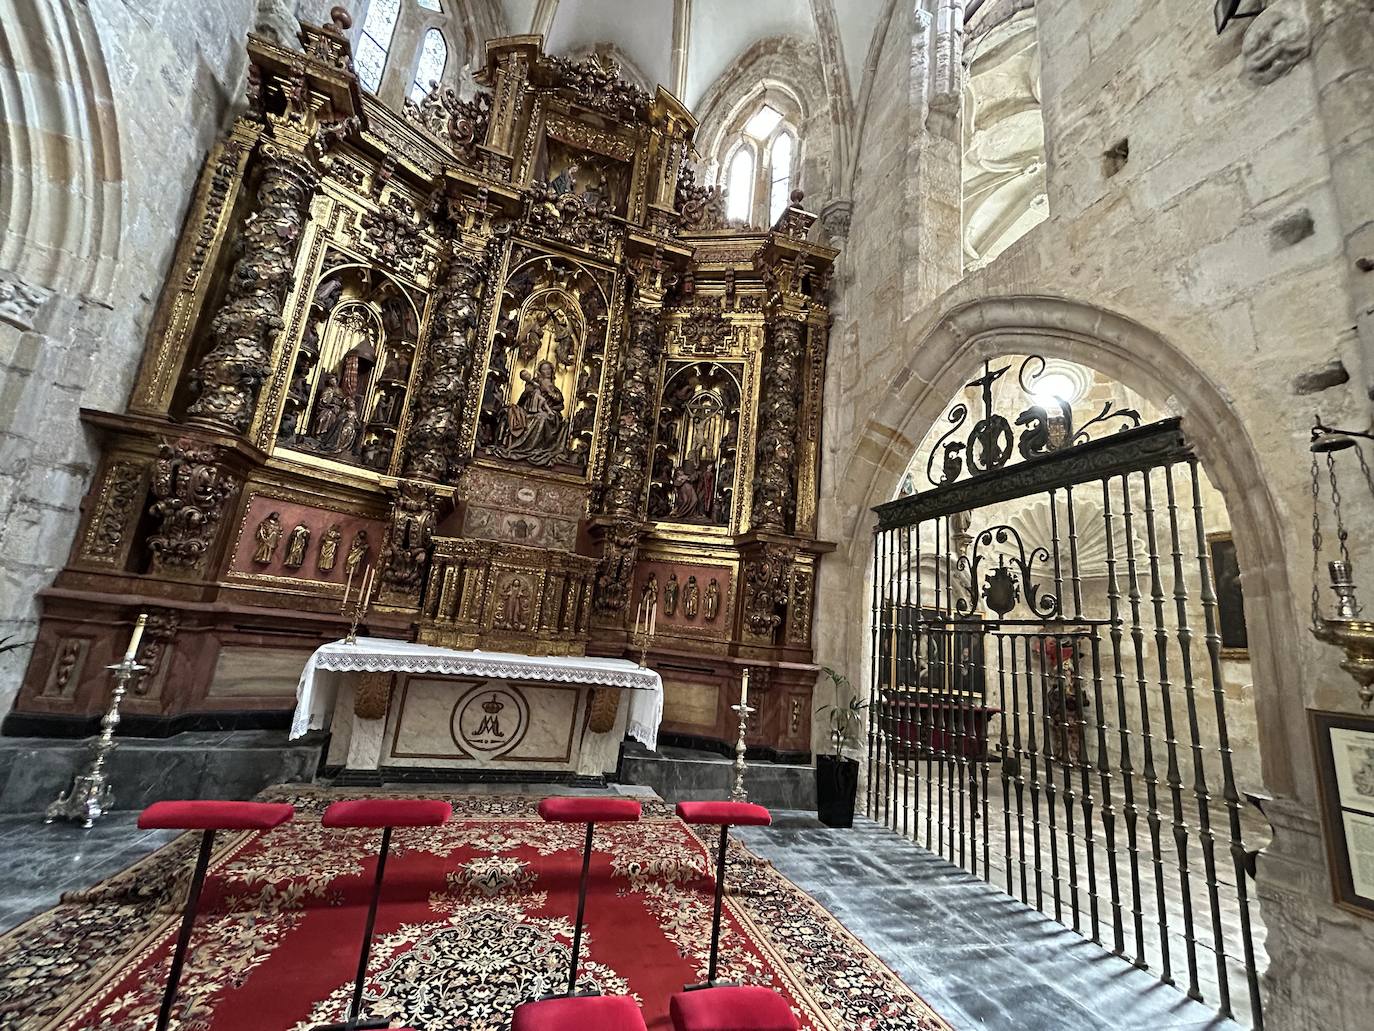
[(1141, 360)]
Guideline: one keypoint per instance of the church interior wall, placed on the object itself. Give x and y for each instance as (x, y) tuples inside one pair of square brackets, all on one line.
[(1223, 232)]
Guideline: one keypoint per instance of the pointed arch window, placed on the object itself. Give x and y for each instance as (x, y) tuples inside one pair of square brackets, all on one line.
[(431, 5), (374, 41), (430, 66), (780, 172), (739, 184)]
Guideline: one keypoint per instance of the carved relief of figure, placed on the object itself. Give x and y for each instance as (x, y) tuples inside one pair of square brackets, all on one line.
[(357, 553), (712, 599), (295, 547), (268, 534), (329, 408), (650, 595), (689, 598), (670, 595), (532, 429), (329, 549), (515, 599)]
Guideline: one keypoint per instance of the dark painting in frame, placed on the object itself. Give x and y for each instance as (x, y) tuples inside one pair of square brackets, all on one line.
[(1235, 639), (1347, 803)]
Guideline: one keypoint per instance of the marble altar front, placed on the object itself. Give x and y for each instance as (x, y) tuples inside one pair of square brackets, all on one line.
[(402, 711)]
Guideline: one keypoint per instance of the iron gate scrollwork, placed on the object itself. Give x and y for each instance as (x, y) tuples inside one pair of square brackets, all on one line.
[(1044, 714)]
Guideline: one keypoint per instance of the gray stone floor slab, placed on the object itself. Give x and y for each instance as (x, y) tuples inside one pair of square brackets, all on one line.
[(982, 959)]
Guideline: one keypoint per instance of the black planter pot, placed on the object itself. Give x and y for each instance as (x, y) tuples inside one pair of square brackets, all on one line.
[(837, 782)]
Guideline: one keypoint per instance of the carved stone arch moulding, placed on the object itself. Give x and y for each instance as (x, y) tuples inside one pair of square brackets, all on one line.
[(62, 224), (1147, 363)]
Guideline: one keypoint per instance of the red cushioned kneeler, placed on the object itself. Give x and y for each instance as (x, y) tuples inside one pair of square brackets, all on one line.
[(723, 815), (587, 1013), (588, 809), (215, 816), (731, 1008), (372, 813), (207, 817), (387, 812)]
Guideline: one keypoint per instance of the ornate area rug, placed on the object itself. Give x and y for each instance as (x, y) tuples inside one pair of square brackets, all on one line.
[(476, 917)]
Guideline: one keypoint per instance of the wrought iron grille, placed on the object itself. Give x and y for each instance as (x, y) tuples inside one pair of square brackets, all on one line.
[(1044, 714)]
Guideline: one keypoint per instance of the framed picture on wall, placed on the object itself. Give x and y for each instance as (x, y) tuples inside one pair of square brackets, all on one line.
[(1344, 747), (1235, 642)]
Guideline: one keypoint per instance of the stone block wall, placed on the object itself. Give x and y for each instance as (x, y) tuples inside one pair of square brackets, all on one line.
[(111, 108), (1204, 189)]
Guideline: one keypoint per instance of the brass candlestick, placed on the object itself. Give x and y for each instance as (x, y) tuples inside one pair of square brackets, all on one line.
[(90, 795), (360, 605), (745, 710), (738, 792)]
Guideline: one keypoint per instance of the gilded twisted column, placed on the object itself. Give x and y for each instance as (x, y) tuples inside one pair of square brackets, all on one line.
[(242, 332), (435, 438), (775, 458), (638, 401)]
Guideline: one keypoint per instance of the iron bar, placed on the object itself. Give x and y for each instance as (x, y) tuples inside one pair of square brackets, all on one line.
[(1206, 839)]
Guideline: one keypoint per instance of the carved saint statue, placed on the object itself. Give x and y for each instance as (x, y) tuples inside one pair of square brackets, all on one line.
[(712, 599), (357, 553), (329, 406), (650, 595), (515, 599), (689, 598), (670, 595), (329, 549), (532, 428), (268, 535), (295, 547)]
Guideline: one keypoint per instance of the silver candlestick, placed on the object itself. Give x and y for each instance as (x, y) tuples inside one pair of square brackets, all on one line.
[(90, 794), (738, 793)]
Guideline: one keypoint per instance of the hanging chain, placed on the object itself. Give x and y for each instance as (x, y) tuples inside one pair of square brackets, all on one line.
[(1316, 542), (1364, 468), (1336, 504)]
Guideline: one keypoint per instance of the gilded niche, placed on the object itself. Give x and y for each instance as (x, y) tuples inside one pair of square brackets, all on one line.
[(352, 370), (697, 444), (545, 368)]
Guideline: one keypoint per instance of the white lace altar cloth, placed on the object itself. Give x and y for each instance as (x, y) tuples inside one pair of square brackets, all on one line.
[(315, 693)]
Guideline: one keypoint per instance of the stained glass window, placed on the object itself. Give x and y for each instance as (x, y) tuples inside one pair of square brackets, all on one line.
[(369, 57), (739, 185), (430, 67), (781, 170)]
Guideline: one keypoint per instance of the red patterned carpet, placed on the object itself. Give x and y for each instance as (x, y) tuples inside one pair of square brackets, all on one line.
[(476, 917)]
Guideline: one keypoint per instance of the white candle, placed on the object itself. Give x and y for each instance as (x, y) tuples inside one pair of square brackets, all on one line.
[(653, 616), (639, 617), (744, 688), (347, 587), (132, 650), (369, 581)]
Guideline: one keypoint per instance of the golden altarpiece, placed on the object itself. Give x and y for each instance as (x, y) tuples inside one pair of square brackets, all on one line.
[(501, 349)]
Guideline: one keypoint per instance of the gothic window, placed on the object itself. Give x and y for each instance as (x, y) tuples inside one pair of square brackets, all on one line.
[(430, 5), (430, 66), (374, 41), (759, 158), (739, 185), (780, 169)]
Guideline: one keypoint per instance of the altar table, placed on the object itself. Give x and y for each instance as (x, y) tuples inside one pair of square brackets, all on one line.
[(406, 709)]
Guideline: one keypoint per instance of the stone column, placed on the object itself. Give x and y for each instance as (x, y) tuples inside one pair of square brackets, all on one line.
[(242, 332), (775, 453), (435, 437)]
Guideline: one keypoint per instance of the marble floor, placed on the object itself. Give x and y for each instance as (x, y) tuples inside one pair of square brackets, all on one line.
[(983, 960), (38, 862)]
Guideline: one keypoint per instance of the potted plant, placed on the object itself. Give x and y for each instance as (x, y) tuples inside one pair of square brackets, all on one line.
[(837, 775)]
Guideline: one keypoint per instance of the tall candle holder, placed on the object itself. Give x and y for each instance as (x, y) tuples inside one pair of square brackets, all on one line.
[(745, 710), (360, 604), (90, 795), (646, 623)]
